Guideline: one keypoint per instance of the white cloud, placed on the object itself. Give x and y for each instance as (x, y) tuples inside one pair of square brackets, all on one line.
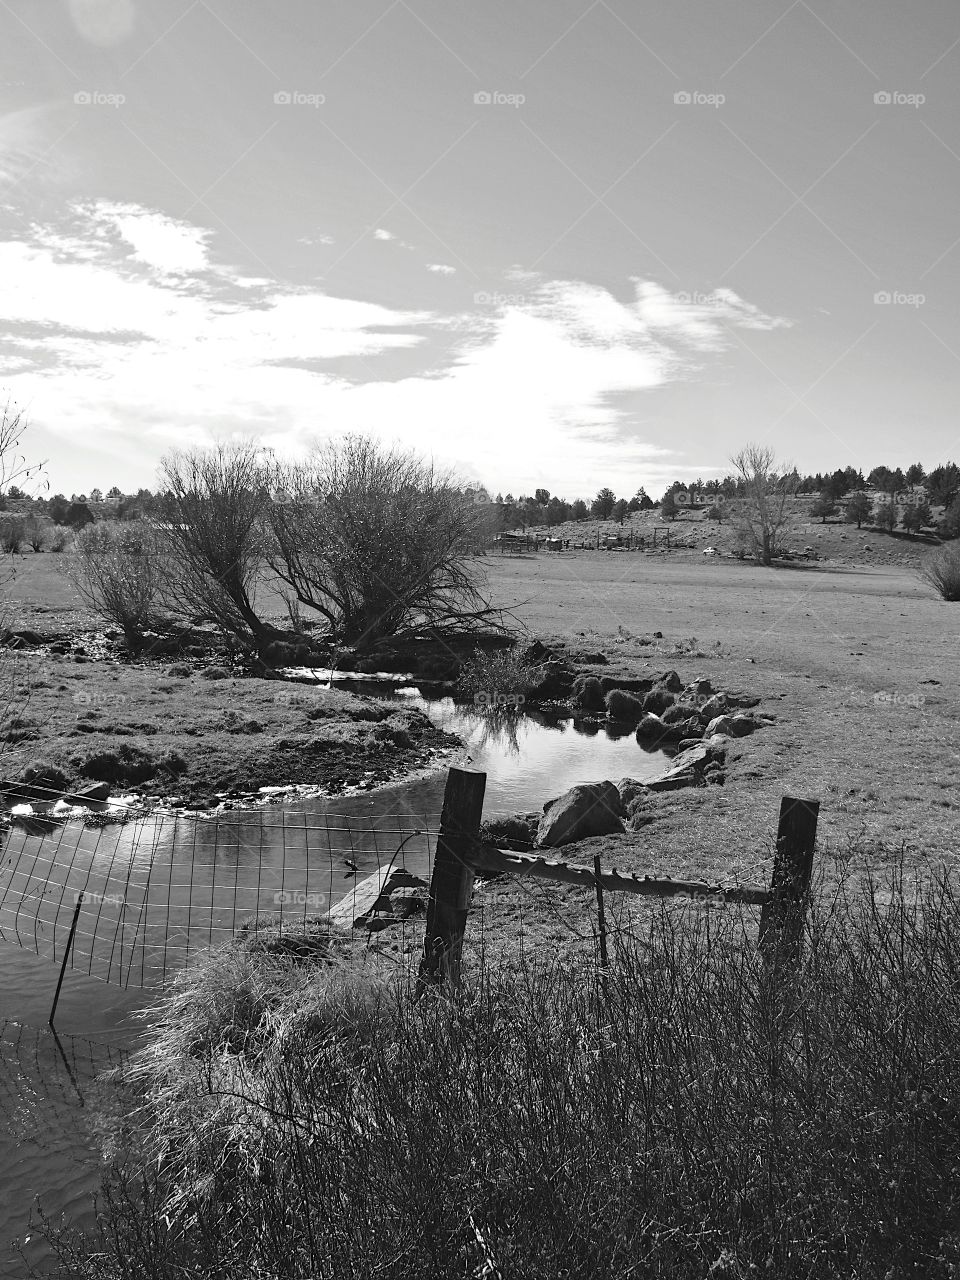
[(441, 269), (381, 234), (160, 242), (150, 348)]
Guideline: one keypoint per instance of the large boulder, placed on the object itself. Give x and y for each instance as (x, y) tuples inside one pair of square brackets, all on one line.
[(670, 681), (714, 706), (721, 724), (590, 809)]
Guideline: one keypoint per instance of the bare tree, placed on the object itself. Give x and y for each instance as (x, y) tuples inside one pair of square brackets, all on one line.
[(766, 485), (215, 536), (116, 568), (378, 542)]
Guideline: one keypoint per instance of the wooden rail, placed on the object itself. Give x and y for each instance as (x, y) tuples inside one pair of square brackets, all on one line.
[(460, 854)]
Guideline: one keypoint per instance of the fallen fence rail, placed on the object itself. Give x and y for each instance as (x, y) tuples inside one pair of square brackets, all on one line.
[(461, 854)]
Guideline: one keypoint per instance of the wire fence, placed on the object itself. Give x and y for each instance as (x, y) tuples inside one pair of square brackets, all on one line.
[(156, 891)]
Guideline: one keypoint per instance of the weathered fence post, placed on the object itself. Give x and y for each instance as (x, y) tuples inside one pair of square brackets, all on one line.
[(782, 916), (452, 882)]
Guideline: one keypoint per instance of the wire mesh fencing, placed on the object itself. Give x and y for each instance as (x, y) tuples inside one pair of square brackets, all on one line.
[(152, 893)]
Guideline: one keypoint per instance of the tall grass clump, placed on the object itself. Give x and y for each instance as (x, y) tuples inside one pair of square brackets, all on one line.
[(498, 678), (941, 569), (686, 1114)]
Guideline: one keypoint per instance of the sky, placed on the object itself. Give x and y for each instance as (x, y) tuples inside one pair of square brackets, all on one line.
[(559, 244)]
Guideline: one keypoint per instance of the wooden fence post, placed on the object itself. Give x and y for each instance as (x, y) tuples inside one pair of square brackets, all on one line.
[(452, 882), (782, 916)]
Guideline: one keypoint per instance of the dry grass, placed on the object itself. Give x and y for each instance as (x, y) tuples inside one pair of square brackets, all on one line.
[(686, 1113)]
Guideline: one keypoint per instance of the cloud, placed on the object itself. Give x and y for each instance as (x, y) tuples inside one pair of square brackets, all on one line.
[(381, 234), (441, 269), (171, 247), (162, 345)]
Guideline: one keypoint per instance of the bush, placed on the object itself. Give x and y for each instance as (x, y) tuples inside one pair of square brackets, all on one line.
[(588, 694), (13, 532), (687, 1116), (658, 700), (941, 569), (180, 669), (117, 570), (58, 538), (47, 776), (624, 706), (214, 673), (126, 764), (495, 677)]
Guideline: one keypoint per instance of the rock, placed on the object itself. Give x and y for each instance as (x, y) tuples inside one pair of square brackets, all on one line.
[(657, 701), (720, 724), (670, 681), (701, 688), (590, 809), (631, 790), (94, 796), (685, 743), (553, 679), (685, 771), (714, 706), (741, 725)]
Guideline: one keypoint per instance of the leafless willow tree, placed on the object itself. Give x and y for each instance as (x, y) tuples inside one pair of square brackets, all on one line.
[(377, 541), (216, 536), (116, 568), (761, 512)]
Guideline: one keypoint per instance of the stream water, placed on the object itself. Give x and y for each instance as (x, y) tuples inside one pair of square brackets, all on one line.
[(47, 1082)]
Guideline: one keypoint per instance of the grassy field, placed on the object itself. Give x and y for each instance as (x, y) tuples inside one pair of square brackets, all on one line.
[(816, 644)]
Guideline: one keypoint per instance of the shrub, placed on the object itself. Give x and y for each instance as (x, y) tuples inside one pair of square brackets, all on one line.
[(588, 694), (116, 569), (127, 764), (496, 676), (58, 538), (13, 532), (180, 669), (214, 673), (47, 776), (685, 1117), (941, 569), (658, 700), (624, 706)]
